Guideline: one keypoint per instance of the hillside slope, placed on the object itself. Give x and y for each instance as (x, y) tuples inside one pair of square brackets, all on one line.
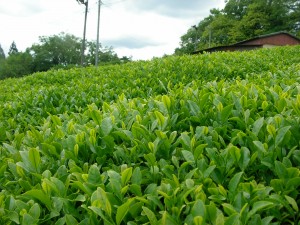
[(207, 139)]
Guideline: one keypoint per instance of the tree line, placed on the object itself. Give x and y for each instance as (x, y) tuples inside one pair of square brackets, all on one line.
[(240, 20), (60, 51)]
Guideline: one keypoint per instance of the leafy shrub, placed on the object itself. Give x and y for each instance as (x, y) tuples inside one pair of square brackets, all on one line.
[(208, 139)]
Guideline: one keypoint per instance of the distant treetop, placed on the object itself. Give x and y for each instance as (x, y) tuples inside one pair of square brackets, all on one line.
[(13, 49)]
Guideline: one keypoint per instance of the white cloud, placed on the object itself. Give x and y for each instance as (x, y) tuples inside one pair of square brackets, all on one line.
[(154, 26)]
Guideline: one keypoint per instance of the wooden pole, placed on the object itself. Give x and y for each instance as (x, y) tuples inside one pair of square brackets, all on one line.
[(98, 26), (84, 32)]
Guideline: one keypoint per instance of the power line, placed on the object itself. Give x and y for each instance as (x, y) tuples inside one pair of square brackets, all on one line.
[(114, 2)]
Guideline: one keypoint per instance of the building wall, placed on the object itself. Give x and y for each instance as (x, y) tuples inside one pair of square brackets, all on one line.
[(279, 39)]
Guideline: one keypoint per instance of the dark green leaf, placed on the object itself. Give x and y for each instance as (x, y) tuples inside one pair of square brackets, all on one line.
[(39, 195)]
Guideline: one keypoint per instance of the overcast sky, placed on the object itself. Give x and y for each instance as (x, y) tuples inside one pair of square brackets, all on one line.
[(139, 28)]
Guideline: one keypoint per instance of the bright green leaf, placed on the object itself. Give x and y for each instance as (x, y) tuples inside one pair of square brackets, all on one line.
[(123, 210), (126, 175)]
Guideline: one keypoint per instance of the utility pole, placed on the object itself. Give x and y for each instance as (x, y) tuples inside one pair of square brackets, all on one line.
[(209, 43), (98, 26), (84, 30), (196, 39)]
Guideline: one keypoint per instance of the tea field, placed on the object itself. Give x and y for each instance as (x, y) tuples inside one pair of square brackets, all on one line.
[(203, 139)]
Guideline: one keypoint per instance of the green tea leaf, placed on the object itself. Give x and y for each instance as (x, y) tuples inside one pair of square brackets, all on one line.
[(94, 176), (136, 177), (229, 209), (225, 113), (199, 209), (186, 140), (35, 211), (188, 156), (99, 212), (151, 216), (280, 170), (167, 219), (211, 211), (208, 171), (235, 153), (28, 219), (199, 150), (123, 210), (281, 134), (160, 118), (167, 102), (150, 159), (233, 220), (259, 206), (257, 125), (35, 159), (10, 148), (99, 199), (194, 108), (267, 220), (198, 220), (13, 216), (126, 175), (70, 220), (40, 196), (245, 158), (293, 183), (259, 146), (96, 116), (292, 202), (106, 126), (234, 182)]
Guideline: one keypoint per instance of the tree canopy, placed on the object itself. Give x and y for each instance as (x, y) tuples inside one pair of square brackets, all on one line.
[(240, 20), (62, 49), (2, 54), (13, 49), (16, 65), (56, 51)]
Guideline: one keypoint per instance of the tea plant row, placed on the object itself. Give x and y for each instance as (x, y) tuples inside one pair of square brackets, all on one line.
[(210, 139)]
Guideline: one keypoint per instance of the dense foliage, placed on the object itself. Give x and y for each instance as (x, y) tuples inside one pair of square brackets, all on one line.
[(53, 52), (206, 139), (241, 20)]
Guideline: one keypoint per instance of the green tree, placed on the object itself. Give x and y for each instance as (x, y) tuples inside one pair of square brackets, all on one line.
[(62, 49), (294, 21), (2, 54), (13, 49), (236, 9), (194, 38), (255, 22), (2, 60), (240, 20), (106, 54), (16, 65), (218, 31)]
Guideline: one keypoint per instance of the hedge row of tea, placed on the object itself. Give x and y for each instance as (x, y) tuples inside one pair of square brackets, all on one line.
[(207, 139)]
